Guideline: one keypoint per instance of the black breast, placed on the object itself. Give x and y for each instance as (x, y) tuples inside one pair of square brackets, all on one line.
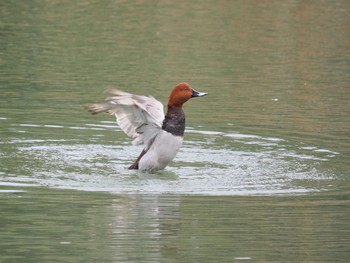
[(174, 121)]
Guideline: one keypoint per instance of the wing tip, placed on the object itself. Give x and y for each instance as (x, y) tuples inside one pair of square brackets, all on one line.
[(114, 91), (96, 108)]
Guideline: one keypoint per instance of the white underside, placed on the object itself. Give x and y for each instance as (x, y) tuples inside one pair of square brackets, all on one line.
[(163, 150)]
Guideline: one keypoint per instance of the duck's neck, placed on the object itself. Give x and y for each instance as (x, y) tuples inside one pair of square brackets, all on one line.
[(174, 121)]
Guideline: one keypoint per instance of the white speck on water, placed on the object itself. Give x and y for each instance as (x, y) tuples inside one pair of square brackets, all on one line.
[(65, 243)]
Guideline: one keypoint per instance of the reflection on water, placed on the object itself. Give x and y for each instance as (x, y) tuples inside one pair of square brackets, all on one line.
[(69, 226)]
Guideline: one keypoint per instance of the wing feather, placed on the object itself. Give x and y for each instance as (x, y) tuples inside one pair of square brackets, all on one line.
[(136, 115)]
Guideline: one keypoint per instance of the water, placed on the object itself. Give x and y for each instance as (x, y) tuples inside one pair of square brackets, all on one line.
[(263, 174), (243, 165)]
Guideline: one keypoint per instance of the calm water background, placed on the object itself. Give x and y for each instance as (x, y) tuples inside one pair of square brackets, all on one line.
[(264, 171)]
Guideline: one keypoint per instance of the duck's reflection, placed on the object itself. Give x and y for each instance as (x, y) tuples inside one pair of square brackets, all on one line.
[(141, 226)]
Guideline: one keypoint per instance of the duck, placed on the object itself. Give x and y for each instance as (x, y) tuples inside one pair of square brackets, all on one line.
[(142, 118)]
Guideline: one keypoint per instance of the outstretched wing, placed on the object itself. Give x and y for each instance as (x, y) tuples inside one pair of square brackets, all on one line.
[(135, 114)]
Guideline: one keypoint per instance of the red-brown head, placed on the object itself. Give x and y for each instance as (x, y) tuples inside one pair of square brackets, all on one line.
[(181, 93)]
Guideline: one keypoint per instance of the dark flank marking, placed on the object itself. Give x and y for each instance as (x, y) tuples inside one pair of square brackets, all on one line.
[(135, 165)]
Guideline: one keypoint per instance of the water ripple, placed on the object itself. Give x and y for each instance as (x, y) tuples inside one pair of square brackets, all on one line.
[(243, 165)]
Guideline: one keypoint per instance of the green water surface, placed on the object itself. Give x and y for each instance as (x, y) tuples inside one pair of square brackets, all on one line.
[(263, 174)]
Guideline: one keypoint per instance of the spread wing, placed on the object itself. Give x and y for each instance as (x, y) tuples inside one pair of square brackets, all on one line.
[(136, 115)]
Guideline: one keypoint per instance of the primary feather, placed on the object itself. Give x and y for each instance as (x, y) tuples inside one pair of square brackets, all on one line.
[(140, 117)]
